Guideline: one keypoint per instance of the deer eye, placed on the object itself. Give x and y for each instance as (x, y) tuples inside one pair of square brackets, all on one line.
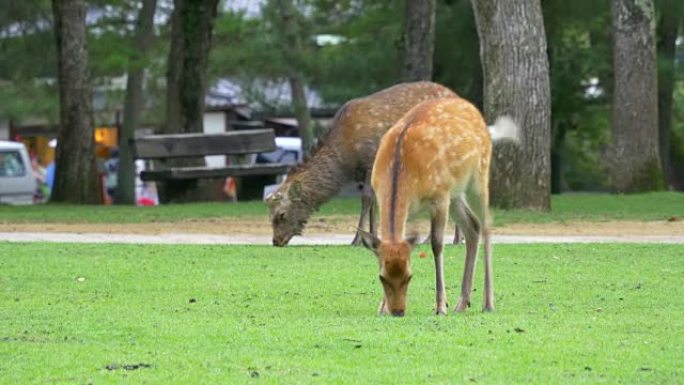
[(383, 280)]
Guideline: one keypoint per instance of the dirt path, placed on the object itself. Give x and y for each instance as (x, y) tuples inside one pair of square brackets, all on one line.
[(346, 225)]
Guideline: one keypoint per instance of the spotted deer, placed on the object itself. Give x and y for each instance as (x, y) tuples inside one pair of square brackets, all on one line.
[(345, 154), (437, 156)]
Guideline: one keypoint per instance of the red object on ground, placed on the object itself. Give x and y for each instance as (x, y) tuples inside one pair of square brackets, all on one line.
[(144, 201)]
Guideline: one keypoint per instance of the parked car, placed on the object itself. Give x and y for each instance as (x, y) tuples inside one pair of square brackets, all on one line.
[(289, 151), (17, 182)]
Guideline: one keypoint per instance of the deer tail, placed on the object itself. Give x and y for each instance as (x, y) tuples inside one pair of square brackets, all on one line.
[(504, 129)]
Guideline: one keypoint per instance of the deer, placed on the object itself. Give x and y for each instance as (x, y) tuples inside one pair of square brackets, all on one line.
[(436, 156), (344, 154)]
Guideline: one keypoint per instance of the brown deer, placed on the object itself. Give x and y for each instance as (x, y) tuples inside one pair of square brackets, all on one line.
[(344, 155), (437, 156)]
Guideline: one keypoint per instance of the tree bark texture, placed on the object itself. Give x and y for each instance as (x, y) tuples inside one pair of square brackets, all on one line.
[(133, 103), (668, 27), (191, 31), (193, 22), (292, 53), (76, 178), (418, 40), (634, 164), (516, 83), (301, 110)]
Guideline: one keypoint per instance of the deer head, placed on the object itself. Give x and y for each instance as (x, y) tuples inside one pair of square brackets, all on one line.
[(288, 212), (394, 261)]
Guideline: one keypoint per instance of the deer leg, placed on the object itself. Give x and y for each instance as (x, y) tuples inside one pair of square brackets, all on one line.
[(471, 230), (438, 224), (489, 273), (478, 197), (457, 236), (382, 309), (367, 202), (372, 213)]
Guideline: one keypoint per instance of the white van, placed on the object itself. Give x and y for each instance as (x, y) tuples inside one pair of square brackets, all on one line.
[(17, 182)]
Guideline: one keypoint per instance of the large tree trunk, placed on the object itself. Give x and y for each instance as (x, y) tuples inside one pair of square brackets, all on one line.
[(418, 40), (634, 164), (76, 178), (133, 103), (668, 27), (191, 31), (292, 53), (516, 83)]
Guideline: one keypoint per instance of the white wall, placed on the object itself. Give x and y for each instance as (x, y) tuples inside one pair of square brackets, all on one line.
[(214, 123)]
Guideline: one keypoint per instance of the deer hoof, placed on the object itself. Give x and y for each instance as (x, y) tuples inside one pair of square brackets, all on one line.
[(462, 305), (441, 310), (356, 241)]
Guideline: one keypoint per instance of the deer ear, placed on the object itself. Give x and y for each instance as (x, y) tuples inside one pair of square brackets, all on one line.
[(412, 239), (295, 192), (273, 197), (370, 241)]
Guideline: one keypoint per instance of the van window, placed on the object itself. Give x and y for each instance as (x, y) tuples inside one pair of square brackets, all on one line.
[(11, 164)]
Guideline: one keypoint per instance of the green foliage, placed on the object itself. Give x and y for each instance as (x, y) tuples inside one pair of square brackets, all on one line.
[(677, 134), (368, 59), (255, 51), (582, 150), (580, 50), (29, 98), (364, 62), (28, 58), (457, 49), (208, 314)]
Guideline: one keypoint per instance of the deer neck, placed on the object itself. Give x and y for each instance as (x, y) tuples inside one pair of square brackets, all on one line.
[(321, 178), (393, 218)]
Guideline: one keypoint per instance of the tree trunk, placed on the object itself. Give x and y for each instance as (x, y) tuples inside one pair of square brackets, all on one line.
[(418, 40), (76, 178), (133, 103), (670, 18), (301, 110), (516, 83), (191, 30), (634, 164), (292, 53)]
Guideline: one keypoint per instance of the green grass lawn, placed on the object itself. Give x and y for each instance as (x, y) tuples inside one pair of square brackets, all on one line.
[(570, 207), (162, 314)]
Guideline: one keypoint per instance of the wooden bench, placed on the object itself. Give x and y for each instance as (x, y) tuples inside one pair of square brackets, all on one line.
[(242, 142)]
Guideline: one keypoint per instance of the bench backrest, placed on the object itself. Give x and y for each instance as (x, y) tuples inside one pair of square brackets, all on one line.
[(189, 145)]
